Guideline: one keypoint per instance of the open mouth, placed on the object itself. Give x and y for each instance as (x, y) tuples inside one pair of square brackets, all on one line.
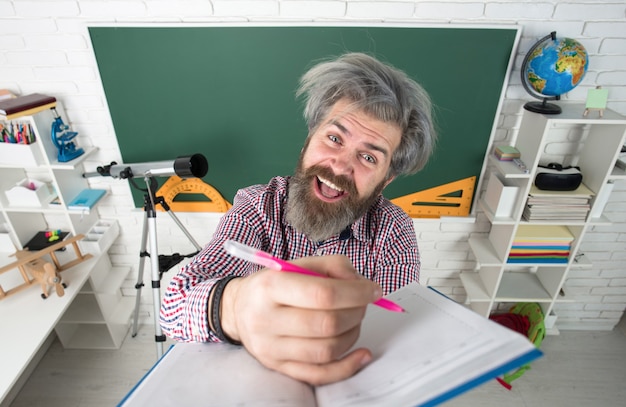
[(328, 191)]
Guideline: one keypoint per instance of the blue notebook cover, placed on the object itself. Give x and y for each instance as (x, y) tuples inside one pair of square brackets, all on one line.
[(86, 199)]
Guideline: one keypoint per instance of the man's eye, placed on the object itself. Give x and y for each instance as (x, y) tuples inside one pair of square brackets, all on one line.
[(369, 158), (334, 138)]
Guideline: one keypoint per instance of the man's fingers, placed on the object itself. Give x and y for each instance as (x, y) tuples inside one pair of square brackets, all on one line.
[(309, 323), (303, 350), (319, 374), (303, 291)]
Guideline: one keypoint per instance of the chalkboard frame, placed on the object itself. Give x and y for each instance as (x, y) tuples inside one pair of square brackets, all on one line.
[(149, 115)]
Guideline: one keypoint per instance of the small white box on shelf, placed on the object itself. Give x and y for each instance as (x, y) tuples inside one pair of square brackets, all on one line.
[(23, 155), (100, 237), (499, 197), (29, 193)]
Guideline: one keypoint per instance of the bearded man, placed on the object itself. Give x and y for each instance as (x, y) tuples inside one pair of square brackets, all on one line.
[(368, 123)]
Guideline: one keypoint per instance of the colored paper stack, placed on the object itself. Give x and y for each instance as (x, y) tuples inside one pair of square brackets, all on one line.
[(506, 153), (541, 244)]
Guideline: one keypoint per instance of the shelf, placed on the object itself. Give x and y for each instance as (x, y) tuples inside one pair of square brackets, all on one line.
[(86, 288), (492, 218), (6, 166), (572, 113), (91, 336), (484, 252), (84, 310), (123, 312), (552, 222), (46, 209), (474, 287), (29, 319), (520, 286), (497, 282), (73, 164), (534, 265), (114, 280), (93, 312), (508, 169)]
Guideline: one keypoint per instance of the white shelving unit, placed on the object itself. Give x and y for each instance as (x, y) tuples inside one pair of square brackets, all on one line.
[(593, 144), (98, 317)]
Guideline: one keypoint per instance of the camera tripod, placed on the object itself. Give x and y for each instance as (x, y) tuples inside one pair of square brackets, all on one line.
[(159, 263)]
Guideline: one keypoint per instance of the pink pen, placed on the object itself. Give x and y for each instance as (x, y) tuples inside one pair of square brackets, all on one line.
[(264, 259)]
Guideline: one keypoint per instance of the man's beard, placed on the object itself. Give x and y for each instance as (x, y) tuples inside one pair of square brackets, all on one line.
[(320, 220)]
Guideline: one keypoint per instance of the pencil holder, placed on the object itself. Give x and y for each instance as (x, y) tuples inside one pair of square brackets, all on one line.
[(22, 155)]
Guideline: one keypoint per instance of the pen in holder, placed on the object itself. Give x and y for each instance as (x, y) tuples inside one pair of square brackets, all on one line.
[(61, 138)]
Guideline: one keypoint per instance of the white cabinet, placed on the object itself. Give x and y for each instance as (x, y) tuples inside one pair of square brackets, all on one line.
[(99, 316), (591, 143)]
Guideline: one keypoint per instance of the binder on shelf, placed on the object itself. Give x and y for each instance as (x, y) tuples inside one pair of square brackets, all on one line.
[(435, 351), (86, 199), (26, 105)]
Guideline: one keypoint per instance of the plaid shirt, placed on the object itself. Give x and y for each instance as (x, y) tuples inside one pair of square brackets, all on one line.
[(381, 245)]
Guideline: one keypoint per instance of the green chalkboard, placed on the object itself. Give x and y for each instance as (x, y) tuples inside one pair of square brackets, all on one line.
[(228, 92)]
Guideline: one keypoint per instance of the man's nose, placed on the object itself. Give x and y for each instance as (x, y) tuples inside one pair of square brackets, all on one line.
[(343, 162)]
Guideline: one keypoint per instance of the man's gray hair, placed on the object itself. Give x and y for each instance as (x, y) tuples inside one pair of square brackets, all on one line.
[(382, 92)]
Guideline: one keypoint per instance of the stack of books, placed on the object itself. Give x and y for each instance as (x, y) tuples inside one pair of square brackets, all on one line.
[(25, 105), (506, 153), (541, 244), (564, 206)]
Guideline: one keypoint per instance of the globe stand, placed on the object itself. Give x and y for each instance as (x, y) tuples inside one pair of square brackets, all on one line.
[(543, 107)]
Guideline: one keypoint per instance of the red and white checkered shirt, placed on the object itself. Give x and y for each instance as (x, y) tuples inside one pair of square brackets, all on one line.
[(381, 245)]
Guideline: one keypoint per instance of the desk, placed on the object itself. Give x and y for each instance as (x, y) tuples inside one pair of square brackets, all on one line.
[(27, 320)]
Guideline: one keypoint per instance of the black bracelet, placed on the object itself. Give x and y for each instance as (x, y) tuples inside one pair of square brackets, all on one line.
[(216, 312)]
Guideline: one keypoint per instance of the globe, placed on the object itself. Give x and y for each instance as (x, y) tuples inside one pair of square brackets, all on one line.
[(551, 68)]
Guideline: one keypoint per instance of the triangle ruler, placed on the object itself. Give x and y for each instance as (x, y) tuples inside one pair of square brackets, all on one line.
[(452, 199), (175, 188)]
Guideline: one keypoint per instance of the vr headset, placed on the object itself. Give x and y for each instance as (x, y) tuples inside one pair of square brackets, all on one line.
[(555, 177)]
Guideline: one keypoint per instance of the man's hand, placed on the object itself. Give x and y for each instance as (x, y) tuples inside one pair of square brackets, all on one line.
[(301, 325)]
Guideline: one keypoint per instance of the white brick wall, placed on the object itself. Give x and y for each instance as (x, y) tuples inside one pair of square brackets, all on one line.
[(45, 47)]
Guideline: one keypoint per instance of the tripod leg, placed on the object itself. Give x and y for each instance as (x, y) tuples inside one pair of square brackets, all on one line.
[(182, 227), (156, 283), (142, 259)]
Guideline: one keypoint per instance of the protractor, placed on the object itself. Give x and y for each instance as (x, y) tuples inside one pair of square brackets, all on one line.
[(192, 195)]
